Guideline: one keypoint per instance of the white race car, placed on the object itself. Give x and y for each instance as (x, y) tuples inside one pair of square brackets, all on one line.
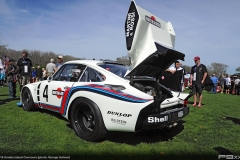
[(100, 96)]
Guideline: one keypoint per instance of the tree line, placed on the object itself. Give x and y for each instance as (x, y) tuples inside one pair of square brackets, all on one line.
[(40, 58)]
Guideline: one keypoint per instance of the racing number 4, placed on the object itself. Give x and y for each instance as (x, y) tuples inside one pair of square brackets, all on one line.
[(45, 93)]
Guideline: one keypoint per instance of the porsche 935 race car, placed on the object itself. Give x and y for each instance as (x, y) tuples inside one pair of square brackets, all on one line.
[(100, 96)]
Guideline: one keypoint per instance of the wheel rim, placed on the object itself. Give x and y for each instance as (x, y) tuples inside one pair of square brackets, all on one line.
[(84, 120), (26, 99)]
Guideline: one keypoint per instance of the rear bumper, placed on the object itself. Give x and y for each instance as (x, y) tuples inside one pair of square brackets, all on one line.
[(162, 119)]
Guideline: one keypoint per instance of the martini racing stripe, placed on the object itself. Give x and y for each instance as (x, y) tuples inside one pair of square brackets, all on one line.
[(99, 89), (49, 107), (64, 99)]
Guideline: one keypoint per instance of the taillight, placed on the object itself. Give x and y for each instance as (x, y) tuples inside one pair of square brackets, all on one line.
[(184, 102)]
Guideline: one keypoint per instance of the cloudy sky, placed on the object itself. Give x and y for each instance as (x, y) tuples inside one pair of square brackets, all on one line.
[(95, 28)]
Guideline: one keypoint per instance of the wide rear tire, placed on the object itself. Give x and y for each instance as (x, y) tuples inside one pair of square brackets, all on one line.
[(86, 120)]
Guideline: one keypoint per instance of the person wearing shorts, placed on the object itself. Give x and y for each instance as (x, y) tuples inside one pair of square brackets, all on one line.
[(197, 78)]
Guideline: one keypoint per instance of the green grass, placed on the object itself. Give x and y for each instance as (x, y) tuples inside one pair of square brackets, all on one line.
[(46, 133)]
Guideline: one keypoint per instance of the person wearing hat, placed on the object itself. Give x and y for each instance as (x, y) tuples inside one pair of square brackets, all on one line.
[(197, 79), (60, 62), (24, 65), (11, 78)]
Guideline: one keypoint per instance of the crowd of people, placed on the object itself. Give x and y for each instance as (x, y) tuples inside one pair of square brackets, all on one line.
[(23, 72), (225, 84), (199, 80)]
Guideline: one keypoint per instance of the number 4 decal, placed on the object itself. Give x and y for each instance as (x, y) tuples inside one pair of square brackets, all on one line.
[(45, 93)]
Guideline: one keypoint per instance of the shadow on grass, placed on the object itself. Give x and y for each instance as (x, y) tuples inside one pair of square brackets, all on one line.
[(147, 136), (190, 103), (4, 101), (55, 114), (223, 151), (234, 120)]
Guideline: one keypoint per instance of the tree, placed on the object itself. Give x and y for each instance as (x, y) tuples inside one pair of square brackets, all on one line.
[(123, 60), (3, 49), (238, 69), (187, 69), (217, 68)]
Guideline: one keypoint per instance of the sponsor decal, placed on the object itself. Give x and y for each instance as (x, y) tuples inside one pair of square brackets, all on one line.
[(180, 114), (130, 24), (58, 93), (156, 119), (118, 121), (119, 114), (153, 21)]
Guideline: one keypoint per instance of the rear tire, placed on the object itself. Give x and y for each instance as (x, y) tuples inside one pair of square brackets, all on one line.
[(86, 120), (27, 100)]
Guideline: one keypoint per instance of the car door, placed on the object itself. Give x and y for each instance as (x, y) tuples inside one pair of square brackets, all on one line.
[(52, 90)]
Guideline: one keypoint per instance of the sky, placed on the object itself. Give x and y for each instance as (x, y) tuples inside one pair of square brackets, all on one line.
[(90, 29)]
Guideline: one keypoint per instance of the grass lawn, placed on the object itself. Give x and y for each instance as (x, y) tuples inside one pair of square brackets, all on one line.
[(209, 131)]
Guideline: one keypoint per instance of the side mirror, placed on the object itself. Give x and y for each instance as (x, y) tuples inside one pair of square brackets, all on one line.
[(50, 78)]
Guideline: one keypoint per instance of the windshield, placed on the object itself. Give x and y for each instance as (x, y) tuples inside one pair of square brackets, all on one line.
[(119, 70)]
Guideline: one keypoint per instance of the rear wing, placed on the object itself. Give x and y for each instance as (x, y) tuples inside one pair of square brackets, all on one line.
[(143, 30)]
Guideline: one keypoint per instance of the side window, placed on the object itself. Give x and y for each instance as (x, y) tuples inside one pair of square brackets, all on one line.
[(91, 75), (69, 72)]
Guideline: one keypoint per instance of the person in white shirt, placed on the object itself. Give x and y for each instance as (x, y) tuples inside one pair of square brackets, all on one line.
[(177, 67), (228, 83), (236, 85)]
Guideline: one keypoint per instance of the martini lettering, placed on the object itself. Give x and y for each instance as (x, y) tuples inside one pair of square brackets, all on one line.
[(130, 24), (154, 22), (57, 92)]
